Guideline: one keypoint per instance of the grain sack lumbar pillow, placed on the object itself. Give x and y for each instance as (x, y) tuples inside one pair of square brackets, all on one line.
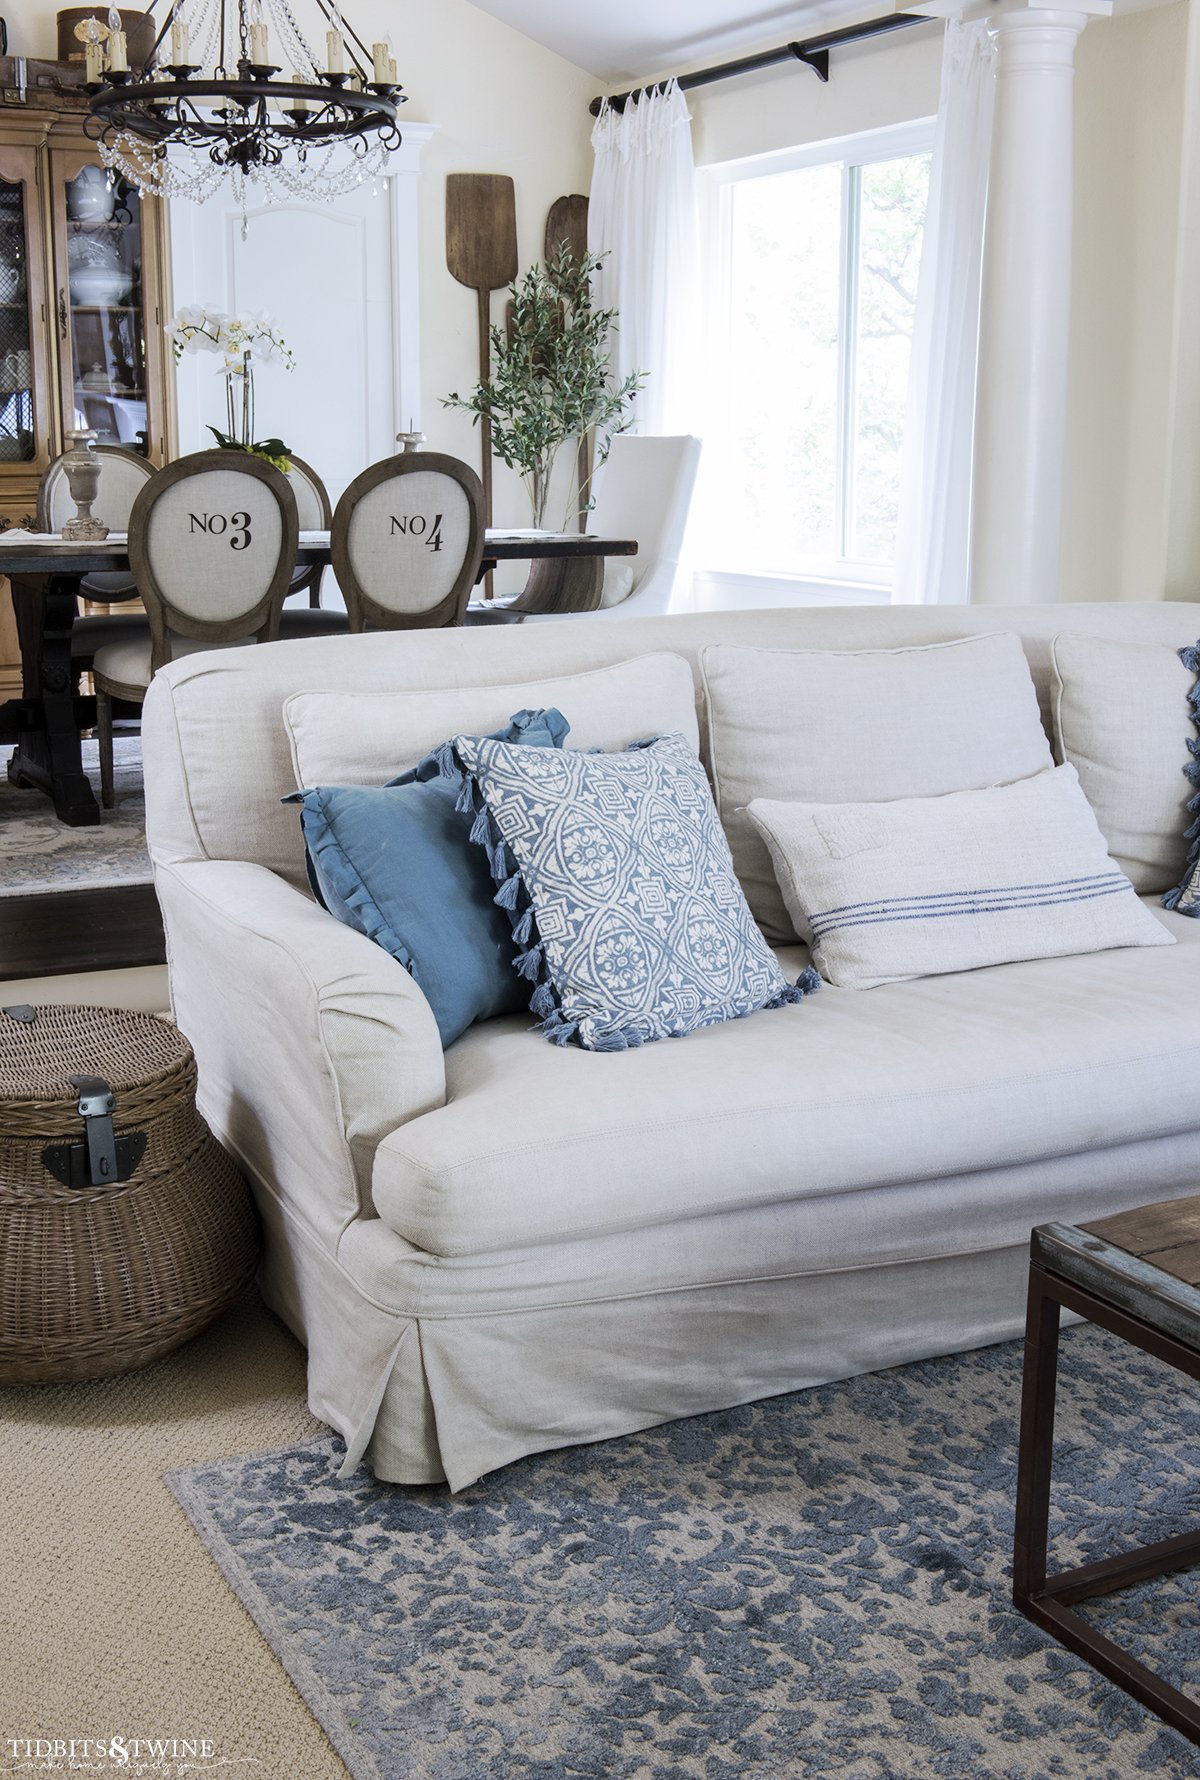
[(628, 922), (1120, 718), (849, 726), (922, 886)]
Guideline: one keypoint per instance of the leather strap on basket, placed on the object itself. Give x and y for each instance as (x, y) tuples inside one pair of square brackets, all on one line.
[(97, 1103), (102, 1159)]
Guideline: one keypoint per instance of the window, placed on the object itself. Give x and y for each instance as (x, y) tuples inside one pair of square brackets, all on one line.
[(813, 260)]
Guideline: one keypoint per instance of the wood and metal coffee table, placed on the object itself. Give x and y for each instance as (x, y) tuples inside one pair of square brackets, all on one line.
[(1137, 1275)]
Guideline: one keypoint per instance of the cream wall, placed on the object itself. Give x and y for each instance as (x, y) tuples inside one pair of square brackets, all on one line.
[(887, 80), (1183, 515), (1129, 92), (501, 104)]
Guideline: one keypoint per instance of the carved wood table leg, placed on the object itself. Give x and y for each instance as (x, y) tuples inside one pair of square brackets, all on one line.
[(50, 756), (561, 584)]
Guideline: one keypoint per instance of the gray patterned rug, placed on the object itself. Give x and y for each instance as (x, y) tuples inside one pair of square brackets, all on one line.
[(40, 854), (816, 1585)]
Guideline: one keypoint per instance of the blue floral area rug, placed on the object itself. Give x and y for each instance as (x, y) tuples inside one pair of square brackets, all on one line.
[(817, 1585), (41, 854)]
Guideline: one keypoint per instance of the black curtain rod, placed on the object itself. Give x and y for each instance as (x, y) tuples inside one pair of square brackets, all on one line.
[(813, 52)]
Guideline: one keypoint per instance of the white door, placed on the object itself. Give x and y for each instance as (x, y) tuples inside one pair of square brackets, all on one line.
[(325, 272)]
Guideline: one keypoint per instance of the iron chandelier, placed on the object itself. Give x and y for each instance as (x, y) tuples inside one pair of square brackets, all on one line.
[(206, 107)]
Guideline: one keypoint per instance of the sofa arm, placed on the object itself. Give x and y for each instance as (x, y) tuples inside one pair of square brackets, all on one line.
[(311, 1042)]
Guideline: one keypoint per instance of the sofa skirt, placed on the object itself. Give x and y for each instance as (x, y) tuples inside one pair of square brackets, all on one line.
[(433, 1369)]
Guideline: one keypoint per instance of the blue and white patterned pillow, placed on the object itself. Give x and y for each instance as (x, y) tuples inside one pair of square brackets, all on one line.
[(617, 876), (1185, 897)]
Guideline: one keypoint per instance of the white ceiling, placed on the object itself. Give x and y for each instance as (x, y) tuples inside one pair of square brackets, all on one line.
[(628, 40)]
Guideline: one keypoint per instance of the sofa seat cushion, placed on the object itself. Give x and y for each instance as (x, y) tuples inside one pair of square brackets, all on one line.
[(916, 1080)]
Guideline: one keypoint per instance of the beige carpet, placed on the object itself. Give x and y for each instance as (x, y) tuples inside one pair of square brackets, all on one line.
[(114, 1620)]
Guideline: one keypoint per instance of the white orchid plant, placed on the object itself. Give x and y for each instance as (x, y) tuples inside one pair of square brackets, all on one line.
[(242, 342)]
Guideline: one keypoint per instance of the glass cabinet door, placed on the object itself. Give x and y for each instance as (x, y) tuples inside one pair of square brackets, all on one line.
[(102, 316), (18, 433)]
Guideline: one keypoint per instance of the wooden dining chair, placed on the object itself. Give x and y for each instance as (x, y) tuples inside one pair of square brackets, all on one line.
[(315, 512), (407, 541), (123, 475), (212, 546)]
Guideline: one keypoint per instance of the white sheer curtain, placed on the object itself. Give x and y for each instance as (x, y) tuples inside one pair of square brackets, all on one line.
[(642, 219), (933, 542)]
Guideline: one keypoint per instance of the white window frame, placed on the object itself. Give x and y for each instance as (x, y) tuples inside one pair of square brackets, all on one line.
[(841, 575)]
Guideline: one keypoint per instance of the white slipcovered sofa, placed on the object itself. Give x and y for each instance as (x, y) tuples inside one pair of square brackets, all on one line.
[(512, 1246)]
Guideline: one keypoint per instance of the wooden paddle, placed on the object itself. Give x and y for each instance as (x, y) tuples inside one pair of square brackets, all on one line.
[(566, 226), (567, 223), (481, 252)]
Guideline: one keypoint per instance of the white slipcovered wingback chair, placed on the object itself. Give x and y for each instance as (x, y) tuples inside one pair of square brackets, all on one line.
[(407, 541), (644, 491), (212, 545)]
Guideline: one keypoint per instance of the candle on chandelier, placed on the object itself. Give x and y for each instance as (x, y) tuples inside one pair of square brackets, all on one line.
[(391, 73), (118, 55), (379, 59), (335, 50), (179, 40), (95, 64), (298, 106), (260, 52)]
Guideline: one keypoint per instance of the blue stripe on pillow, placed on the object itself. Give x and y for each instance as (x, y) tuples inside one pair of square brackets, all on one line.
[(955, 904)]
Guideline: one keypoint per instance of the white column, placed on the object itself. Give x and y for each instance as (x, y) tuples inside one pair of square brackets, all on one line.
[(1020, 419)]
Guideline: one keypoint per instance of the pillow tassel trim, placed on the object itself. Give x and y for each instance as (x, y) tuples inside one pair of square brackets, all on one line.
[(807, 983), (1190, 657), (530, 962)]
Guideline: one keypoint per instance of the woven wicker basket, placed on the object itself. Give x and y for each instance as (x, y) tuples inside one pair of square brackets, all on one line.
[(100, 1279)]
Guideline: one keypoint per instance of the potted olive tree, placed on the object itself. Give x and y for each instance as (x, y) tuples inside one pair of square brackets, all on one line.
[(551, 379)]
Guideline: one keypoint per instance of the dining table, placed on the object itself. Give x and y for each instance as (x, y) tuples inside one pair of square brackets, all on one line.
[(46, 572)]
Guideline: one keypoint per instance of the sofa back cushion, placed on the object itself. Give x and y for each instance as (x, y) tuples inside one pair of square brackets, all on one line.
[(1121, 718), (368, 738), (218, 758), (865, 726)]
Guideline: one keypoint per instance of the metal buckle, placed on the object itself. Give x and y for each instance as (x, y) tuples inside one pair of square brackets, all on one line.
[(102, 1159)]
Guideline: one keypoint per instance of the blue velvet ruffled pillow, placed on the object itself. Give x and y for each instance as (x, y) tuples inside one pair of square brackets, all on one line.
[(392, 862), (629, 920)]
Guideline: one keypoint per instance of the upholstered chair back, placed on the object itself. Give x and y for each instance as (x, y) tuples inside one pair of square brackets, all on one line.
[(212, 544), (123, 475), (314, 511), (407, 541)]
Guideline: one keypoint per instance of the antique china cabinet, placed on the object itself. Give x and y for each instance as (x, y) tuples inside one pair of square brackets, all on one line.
[(83, 299)]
